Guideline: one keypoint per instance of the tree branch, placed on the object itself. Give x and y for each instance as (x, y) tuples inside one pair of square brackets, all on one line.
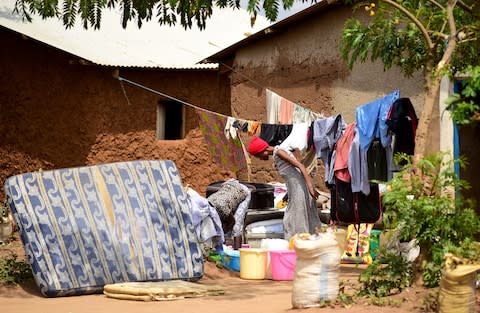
[(450, 18), (452, 39), (465, 7), (414, 20), (440, 34), (467, 40), (437, 4), (443, 26)]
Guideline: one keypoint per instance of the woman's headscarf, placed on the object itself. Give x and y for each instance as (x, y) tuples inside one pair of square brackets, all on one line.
[(257, 145)]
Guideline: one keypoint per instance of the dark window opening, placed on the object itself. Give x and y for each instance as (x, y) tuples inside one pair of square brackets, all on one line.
[(170, 120)]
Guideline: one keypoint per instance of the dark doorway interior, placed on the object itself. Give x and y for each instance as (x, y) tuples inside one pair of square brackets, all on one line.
[(469, 148), (170, 120)]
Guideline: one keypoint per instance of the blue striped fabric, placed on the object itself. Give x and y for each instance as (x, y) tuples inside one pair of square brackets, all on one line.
[(85, 227)]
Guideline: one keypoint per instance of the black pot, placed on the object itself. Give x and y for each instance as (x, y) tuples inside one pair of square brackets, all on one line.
[(261, 194)]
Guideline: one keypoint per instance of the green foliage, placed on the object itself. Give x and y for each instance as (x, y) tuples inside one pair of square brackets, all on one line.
[(383, 39), (344, 299), (421, 205), (387, 275), (467, 250), (13, 271), (393, 34), (384, 301), (465, 106), (167, 12), (430, 302)]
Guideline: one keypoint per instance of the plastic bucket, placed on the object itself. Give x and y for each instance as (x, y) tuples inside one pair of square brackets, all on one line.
[(253, 263), (282, 264), (231, 260), (272, 244)]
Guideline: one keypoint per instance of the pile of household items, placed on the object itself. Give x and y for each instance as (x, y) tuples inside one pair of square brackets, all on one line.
[(131, 230)]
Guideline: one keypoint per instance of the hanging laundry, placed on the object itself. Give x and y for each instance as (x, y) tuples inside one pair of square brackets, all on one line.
[(358, 167), (314, 116), (286, 111), (230, 131), (355, 207), (326, 132), (371, 120), (275, 134), (298, 138), (301, 115), (254, 128), (343, 151), (304, 115), (227, 153), (273, 106), (402, 121), (310, 161), (240, 125), (377, 161), (310, 145)]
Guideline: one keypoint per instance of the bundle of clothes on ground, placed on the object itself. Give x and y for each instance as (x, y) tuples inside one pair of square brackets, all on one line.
[(221, 214)]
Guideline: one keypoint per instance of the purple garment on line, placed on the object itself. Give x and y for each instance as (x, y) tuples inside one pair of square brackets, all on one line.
[(227, 153)]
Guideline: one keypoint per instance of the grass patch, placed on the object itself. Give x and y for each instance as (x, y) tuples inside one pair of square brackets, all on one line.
[(13, 271)]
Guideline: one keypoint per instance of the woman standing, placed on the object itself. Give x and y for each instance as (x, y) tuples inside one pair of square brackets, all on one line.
[(301, 215)]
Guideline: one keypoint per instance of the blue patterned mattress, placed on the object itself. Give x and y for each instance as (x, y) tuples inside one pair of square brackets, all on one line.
[(85, 227)]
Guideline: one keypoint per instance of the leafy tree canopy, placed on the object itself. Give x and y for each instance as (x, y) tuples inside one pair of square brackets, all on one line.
[(414, 33), (169, 12)]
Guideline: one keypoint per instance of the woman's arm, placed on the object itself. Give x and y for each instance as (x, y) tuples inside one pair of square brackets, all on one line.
[(308, 180)]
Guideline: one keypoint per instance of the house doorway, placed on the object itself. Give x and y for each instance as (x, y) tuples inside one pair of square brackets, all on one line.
[(467, 144)]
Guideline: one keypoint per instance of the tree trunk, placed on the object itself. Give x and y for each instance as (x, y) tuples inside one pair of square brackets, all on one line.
[(422, 135)]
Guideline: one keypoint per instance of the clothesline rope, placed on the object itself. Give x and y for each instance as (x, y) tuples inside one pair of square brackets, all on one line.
[(121, 79), (244, 75)]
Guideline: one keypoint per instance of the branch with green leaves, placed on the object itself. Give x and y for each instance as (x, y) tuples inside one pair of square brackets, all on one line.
[(169, 12), (413, 34), (464, 106)]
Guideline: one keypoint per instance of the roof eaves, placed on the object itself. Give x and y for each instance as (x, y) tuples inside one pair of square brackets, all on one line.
[(203, 66)]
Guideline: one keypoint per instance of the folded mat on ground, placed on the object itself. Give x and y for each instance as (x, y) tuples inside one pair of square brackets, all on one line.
[(160, 290), (85, 227)]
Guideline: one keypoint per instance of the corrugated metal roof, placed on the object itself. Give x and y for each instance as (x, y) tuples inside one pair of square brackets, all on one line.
[(153, 45), (273, 29)]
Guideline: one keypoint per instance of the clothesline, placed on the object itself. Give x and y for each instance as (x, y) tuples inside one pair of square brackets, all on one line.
[(229, 151), (122, 79), (243, 75)]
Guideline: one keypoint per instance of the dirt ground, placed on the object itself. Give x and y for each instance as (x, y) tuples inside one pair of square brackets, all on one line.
[(241, 295), (264, 296)]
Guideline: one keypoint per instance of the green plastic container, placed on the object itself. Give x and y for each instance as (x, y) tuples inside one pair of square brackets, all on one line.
[(374, 242)]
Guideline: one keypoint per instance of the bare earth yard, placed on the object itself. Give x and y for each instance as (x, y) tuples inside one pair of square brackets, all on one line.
[(263, 296)]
